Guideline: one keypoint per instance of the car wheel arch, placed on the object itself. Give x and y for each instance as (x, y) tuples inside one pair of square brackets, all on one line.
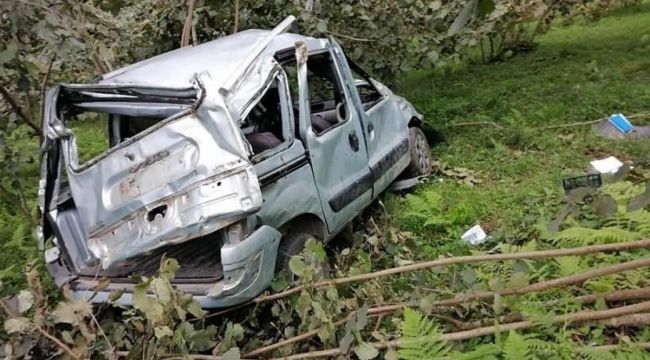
[(307, 223)]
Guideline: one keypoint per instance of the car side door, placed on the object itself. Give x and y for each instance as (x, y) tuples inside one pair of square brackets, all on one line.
[(331, 128), (385, 131)]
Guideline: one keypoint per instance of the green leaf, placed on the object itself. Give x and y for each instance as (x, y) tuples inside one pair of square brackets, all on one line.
[(9, 53), (297, 265), (16, 325), (366, 351), (148, 305), (485, 7), (232, 354), (162, 331), (72, 312), (321, 27), (162, 289), (194, 308)]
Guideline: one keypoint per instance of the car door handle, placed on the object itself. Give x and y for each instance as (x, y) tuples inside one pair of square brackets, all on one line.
[(371, 127), (354, 141)]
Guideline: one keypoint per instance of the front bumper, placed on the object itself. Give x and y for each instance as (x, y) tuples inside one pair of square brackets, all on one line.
[(248, 269)]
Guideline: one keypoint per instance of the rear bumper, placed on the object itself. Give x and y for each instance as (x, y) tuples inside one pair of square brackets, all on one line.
[(248, 269)]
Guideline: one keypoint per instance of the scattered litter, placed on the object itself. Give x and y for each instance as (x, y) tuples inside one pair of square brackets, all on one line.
[(618, 126), (608, 165), (621, 123), (475, 235), (590, 181)]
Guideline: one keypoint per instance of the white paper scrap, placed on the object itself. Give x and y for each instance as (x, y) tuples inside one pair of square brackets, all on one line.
[(608, 165), (475, 235)]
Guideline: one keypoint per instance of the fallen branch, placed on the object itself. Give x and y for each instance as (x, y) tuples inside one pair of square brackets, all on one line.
[(236, 25), (581, 316), (544, 285), (637, 320), (477, 123), (642, 345), (187, 26), (640, 244), (581, 123), (619, 295), (58, 343), (26, 117), (549, 284)]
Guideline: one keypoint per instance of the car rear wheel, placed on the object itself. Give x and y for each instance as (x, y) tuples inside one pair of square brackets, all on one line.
[(420, 153)]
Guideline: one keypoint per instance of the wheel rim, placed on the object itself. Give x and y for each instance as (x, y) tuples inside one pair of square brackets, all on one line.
[(422, 154)]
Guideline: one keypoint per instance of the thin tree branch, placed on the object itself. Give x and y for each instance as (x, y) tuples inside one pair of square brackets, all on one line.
[(477, 123), (44, 87), (549, 284), (544, 285), (349, 37), (236, 26), (187, 27), (19, 111), (58, 343), (636, 320), (581, 123), (581, 316), (642, 345), (541, 254)]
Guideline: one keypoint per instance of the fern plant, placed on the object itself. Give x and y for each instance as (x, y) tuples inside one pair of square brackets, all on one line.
[(420, 338)]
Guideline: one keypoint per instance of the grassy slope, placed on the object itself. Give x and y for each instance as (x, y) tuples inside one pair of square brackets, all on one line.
[(575, 74)]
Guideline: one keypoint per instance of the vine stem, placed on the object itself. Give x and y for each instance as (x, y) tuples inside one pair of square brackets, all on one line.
[(544, 285), (540, 254), (581, 316)]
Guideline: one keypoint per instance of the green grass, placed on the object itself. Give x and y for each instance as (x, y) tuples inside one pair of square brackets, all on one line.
[(580, 72)]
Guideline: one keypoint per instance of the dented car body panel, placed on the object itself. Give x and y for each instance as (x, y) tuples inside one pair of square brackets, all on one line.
[(216, 152)]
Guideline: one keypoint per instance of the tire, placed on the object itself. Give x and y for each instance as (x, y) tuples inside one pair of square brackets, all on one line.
[(293, 244), (420, 153)]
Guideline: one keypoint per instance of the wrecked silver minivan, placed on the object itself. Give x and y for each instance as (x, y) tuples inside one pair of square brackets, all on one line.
[(226, 156)]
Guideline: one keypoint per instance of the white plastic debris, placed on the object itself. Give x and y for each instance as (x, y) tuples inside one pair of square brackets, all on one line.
[(475, 235), (608, 165)]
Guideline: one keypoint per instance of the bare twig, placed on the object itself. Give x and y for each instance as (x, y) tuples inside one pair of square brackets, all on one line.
[(581, 316), (457, 260), (559, 282), (549, 284), (642, 345), (477, 123), (58, 343), (637, 320), (44, 84), (187, 27), (26, 117), (349, 37), (581, 123), (236, 26)]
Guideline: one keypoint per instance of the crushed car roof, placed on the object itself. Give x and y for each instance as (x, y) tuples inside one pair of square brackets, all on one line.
[(220, 58)]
